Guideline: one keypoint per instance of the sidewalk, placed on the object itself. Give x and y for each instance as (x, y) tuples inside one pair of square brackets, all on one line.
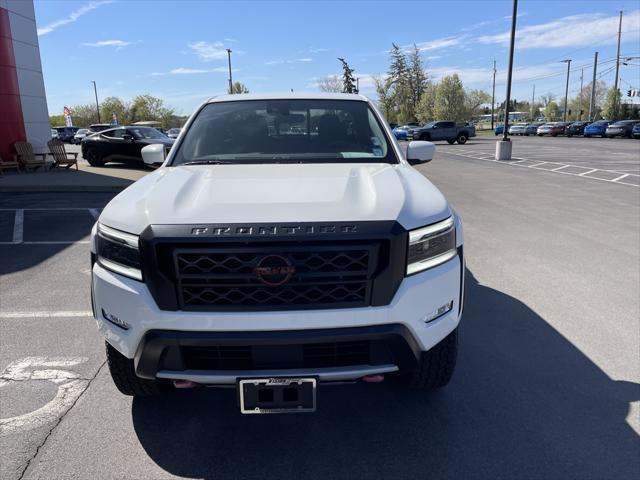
[(110, 178)]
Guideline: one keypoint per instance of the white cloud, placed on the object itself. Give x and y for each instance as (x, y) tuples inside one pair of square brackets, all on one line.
[(209, 51), (191, 71), (572, 31), (317, 50), (108, 43), (440, 43), (280, 61), (73, 16), (232, 40), (475, 75)]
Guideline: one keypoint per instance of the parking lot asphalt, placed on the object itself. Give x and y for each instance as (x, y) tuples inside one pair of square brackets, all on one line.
[(547, 385)]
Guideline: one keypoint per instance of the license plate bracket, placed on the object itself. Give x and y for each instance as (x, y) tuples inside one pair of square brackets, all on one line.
[(277, 395)]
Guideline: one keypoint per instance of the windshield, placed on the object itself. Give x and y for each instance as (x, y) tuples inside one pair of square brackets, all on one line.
[(82, 130), (146, 132), (274, 131), (174, 130)]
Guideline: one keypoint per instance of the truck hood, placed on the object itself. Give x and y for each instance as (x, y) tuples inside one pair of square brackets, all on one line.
[(278, 193)]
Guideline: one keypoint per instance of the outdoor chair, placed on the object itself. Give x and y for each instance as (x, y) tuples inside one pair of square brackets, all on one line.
[(27, 158), (10, 164), (60, 156)]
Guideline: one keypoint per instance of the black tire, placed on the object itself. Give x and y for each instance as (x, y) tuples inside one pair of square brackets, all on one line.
[(540, 134), (436, 366), (451, 142), (569, 136), (462, 139), (94, 158), (124, 376), (425, 137)]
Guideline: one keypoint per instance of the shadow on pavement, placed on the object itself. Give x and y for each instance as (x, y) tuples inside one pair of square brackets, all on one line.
[(524, 403)]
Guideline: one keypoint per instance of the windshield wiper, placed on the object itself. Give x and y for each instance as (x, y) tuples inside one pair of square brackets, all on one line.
[(206, 162)]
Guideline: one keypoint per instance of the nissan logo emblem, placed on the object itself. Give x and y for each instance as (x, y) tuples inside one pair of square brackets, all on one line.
[(274, 270)]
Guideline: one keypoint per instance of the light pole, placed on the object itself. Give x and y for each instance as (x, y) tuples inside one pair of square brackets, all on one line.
[(503, 148), (230, 79), (95, 91), (566, 89)]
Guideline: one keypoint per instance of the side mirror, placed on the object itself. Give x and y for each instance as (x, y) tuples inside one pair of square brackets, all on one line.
[(420, 152), (153, 154), (127, 137)]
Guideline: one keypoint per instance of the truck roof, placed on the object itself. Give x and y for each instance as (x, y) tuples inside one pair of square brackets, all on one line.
[(289, 96)]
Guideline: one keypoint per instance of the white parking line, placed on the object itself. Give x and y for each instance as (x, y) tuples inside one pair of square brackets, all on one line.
[(586, 173), (47, 314), (18, 226), (519, 163), (620, 177)]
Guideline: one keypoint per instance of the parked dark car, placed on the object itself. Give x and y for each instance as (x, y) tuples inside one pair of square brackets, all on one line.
[(623, 128), (596, 129), (66, 134), (552, 128), (532, 128), (99, 127), (445, 130), (122, 144), (636, 130), (576, 128)]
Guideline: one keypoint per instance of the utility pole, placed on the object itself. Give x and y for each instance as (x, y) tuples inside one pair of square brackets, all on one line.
[(357, 84), (504, 147), (580, 108), (230, 79), (592, 102), (566, 90), (493, 94), (95, 90), (533, 99), (615, 80)]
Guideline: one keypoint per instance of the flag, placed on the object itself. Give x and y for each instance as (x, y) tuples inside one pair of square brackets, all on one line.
[(68, 120)]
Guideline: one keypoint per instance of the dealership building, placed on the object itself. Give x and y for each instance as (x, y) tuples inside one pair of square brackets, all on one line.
[(23, 102)]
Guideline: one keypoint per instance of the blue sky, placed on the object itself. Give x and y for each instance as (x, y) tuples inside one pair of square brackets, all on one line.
[(176, 49)]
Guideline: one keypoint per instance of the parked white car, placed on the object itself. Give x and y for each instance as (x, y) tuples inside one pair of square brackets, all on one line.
[(278, 259), (80, 134)]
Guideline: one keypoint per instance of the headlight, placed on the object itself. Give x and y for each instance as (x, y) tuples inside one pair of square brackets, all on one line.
[(431, 246), (118, 251)]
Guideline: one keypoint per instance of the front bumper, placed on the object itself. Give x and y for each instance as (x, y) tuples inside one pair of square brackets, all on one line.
[(150, 330)]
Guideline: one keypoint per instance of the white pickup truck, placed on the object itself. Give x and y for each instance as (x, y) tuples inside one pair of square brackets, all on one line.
[(284, 243)]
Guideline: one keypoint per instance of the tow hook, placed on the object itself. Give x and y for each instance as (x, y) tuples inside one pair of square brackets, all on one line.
[(184, 384), (373, 378)]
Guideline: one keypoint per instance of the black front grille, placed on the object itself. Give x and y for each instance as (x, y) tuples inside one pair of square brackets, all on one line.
[(301, 277), (246, 357)]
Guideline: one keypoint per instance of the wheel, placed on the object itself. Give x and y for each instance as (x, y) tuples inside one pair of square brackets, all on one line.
[(425, 137), (540, 134), (451, 142), (124, 376), (462, 139), (554, 134), (569, 136), (94, 158), (436, 366)]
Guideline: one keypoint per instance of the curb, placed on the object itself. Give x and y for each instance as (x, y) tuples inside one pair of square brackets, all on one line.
[(62, 188)]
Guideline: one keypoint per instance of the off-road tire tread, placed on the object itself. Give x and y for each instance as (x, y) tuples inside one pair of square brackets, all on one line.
[(437, 365), (124, 376)]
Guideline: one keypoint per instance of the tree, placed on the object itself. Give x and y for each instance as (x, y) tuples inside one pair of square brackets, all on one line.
[(238, 87), (450, 99), (582, 100), (610, 109), (551, 111), (111, 105), (473, 100), (385, 101), (84, 115), (348, 82), (147, 107), (547, 98), (56, 120), (331, 83), (426, 107), (417, 81), (398, 77)]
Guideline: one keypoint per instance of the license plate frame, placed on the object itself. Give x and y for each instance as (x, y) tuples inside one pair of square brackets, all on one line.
[(277, 395)]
